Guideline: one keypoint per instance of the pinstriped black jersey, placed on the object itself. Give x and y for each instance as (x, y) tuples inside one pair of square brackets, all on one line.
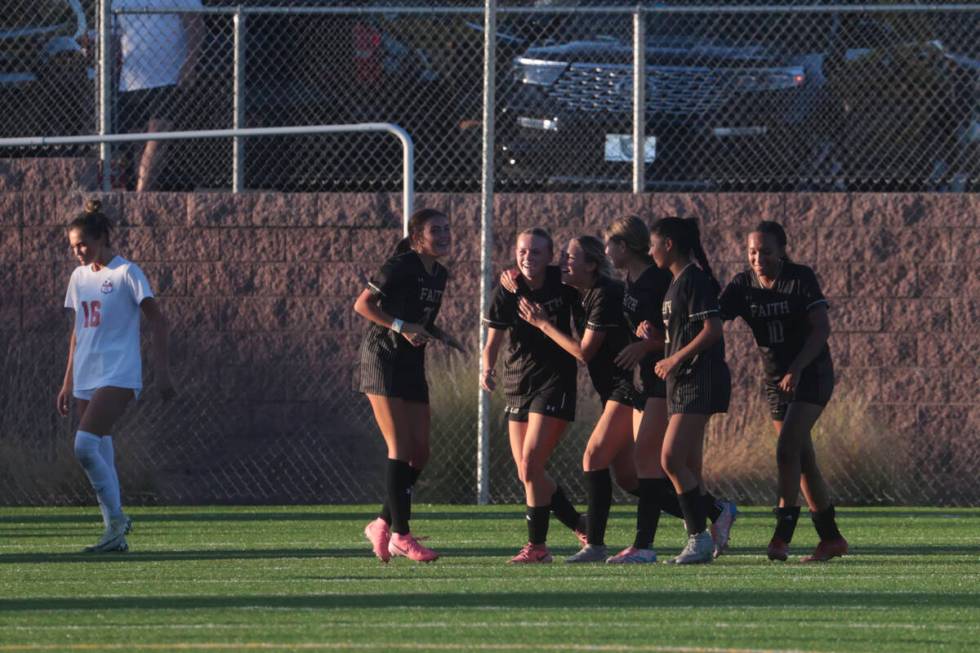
[(642, 301), (778, 316), (407, 292), (690, 300), (534, 362), (601, 309)]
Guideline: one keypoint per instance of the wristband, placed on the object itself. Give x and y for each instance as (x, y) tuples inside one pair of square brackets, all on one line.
[(397, 325)]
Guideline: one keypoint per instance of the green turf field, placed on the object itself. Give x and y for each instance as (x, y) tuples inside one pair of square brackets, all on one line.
[(301, 578)]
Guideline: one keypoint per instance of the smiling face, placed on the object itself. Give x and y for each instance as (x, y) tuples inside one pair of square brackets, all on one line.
[(576, 270), (436, 239), (765, 254), (85, 248), (533, 255)]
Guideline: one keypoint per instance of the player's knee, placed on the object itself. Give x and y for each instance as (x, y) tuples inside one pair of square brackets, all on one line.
[(672, 461), (787, 453), (86, 451)]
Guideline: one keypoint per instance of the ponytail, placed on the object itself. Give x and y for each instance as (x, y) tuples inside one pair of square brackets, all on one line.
[(404, 245), (686, 237), (92, 221)]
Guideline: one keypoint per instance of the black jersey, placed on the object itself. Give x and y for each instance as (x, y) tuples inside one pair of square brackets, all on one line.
[(642, 302), (407, 292), (690, 300), (777, 315), (534, 362), (601, 309)]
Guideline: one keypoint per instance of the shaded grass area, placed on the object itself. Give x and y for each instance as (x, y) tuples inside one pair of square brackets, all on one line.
[(301, 578)]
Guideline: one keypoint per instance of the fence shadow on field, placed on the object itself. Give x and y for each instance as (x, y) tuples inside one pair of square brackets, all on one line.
[(801, 600), (143, 517), (137, 557)]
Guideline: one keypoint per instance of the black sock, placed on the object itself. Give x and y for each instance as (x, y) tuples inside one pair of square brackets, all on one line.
[(537, 524), (635, 491), (564, 510), (647, 512), (599, 484), (385, 513), (693, 508), (398, 481), (711, 506), (668, 499), (786, 519), (826, 524)]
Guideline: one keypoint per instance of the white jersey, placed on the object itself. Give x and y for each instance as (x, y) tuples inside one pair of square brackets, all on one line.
[(107, 324), (154, 46)]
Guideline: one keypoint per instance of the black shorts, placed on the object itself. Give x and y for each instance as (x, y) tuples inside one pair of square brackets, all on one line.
[(621, 391), (704, 390), (135, 109), (651, 387), (815, 387), (553, 402), (392, 374)]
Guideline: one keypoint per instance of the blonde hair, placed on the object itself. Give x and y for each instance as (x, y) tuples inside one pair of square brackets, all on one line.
[(540, 233), (595, 252), (632, 232)]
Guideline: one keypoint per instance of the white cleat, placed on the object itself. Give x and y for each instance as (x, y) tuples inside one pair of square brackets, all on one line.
[(721, 530), (698, 550), (113, 539)]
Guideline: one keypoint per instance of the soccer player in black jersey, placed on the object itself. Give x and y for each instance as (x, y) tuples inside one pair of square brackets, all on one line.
[(783, 305), (401, 302), (628, 245), (598, 317), (539, 384), (698, 380)]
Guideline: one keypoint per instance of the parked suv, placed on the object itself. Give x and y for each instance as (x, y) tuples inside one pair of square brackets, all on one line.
[(46, 78)]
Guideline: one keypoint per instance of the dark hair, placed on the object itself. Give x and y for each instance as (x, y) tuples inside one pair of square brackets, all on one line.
[(632, 232), (416, 223), (775, 230), (595, 252), (540, 233), (686, 236), (92, 221)]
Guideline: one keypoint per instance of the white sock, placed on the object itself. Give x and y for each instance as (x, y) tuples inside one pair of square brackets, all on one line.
[(109, 456), (100, 475)]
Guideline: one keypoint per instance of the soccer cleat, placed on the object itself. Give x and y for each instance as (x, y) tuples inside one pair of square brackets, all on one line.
[(721, 529), (129, 526), (777, 549), (698, 550), (408, 546), (826, 550), (581, 531), (378, 534), (532, 553), (590, 553), (632, 555), (113, 539)]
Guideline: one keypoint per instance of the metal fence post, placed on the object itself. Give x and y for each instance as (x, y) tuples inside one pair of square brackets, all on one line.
[(486, 240), (105, 90), (238, 103), (639, 100)]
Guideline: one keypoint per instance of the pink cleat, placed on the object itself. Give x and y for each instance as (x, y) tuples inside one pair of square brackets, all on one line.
[(532, 553), (827, 549), (409, 547), (632, 555), (378, 534)]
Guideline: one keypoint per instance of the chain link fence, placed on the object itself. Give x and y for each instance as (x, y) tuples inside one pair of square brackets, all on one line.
[(801, 96)]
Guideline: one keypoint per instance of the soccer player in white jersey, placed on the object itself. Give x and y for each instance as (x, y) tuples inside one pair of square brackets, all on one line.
[(104, 369)]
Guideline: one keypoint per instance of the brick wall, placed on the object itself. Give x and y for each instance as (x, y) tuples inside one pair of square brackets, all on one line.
[(259, 288)]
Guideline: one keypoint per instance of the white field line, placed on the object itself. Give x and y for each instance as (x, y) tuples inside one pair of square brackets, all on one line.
[(317, 646)]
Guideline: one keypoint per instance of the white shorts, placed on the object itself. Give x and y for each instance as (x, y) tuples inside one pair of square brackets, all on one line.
[(86, 395)]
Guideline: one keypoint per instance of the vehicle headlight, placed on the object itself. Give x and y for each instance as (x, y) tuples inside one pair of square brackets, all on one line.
[(771, 80), (538, 71)]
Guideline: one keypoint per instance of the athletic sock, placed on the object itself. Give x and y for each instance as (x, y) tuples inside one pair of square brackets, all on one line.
[(398, 475), (599, 484), (100, 475), (385, 513), (668, 499), (635, 491), (647, 512), (712, 507), (537, 524), (693, 508), (564, 510), (786, 518), (826, 524)]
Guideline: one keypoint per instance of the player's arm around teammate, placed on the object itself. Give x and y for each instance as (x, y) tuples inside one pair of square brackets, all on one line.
[(539, 385), (401, 303), (104, 371), (698, 381), (783, 305)]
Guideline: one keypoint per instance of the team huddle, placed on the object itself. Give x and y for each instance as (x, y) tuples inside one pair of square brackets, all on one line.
[(652, 342)]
